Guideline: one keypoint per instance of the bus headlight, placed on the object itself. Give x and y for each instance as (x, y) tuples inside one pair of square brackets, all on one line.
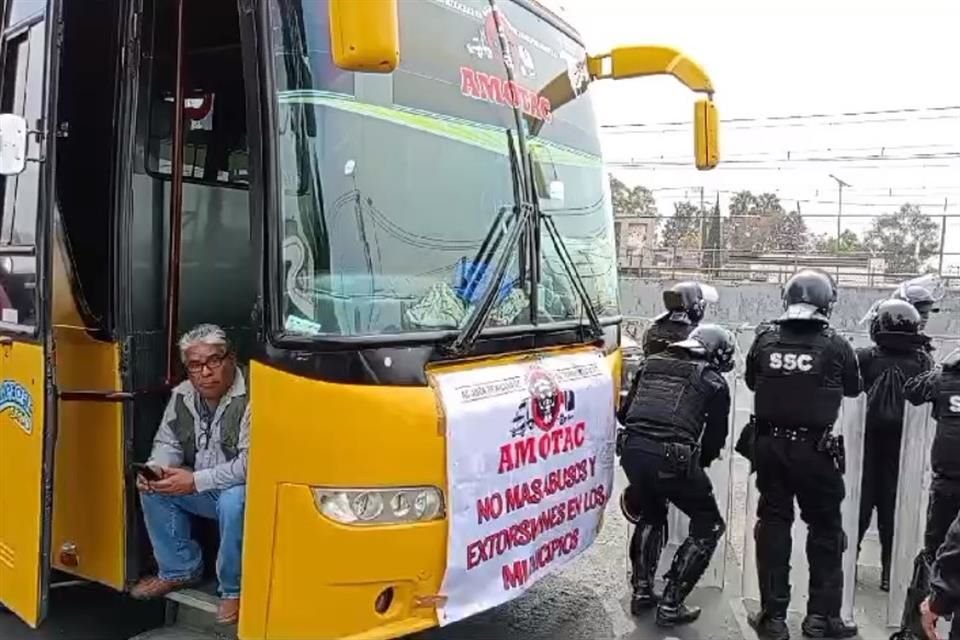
[(379, 506)]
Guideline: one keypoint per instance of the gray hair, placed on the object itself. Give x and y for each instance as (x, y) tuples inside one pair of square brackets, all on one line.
[(209, 334)]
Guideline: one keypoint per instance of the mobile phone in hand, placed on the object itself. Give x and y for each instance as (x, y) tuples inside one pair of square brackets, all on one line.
[(147, 472)]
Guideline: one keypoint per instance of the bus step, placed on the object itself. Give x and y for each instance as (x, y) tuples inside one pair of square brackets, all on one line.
[(176, 633), (192, 615)]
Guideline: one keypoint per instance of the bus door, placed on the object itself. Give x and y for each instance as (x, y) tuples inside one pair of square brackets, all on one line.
[(27, 414)]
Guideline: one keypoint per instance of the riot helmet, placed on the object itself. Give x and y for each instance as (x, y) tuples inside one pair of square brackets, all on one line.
[(809, 294), (713, 343), (689, 299), (923, 292), (895, 316)]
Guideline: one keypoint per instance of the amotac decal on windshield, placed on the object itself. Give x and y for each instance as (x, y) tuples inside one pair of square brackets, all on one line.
[(517, 58)]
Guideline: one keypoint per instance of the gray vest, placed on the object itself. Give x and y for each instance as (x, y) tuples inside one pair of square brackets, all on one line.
[(185, 428)]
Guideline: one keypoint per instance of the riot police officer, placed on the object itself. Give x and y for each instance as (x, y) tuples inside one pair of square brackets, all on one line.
[(944, 596), (800, 369), (675, 425), (923, 293), (940, 386), (686, 303), (897, 355)]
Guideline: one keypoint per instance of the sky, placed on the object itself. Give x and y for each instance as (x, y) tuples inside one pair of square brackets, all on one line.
[(785, 57)]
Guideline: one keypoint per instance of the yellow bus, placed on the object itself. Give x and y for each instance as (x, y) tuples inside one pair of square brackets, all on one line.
[(380, 201)]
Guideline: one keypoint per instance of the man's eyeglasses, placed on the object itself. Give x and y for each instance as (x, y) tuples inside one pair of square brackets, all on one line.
[(213, 363)]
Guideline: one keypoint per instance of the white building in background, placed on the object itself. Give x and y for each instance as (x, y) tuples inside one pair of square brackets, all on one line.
[(636, 242)]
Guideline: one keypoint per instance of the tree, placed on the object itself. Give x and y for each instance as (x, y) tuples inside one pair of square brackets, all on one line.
[(849, 243), (905, 239), (682, 229), (759, 223), (788, 232), (713, 242), (627, 202)]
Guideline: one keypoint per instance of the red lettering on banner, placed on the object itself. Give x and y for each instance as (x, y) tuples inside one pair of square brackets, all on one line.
[(517, 574), (503, 92), (579, 434), (519, 453), (596, 498), (518, 534), (489, 508), (535, 491)]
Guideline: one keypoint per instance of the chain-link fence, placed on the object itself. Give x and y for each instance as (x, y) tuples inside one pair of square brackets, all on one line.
[(769, 248)]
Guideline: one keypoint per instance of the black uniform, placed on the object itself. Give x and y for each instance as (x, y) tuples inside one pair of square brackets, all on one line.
[(940, 386), (945, 575), (881, 447), (675, 423), (665, 330), (800, 370)]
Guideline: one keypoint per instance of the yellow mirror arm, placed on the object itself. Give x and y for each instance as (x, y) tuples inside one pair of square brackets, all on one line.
[(634, 62)]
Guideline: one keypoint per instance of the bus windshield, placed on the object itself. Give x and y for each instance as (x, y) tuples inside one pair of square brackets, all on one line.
[(390, 185)]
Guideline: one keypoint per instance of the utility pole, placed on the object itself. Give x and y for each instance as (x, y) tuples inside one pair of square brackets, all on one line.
[(702, 231), (943, 235), (840, 185)]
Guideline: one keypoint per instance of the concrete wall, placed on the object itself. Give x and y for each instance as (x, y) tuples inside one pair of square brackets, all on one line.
[(749, 303)]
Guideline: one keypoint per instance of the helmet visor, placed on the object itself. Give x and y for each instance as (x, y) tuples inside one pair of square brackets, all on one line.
[(928, 286), (802, 311), (694, 346), (709, 293)]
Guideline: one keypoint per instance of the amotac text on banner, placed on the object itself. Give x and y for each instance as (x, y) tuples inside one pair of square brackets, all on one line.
[(530, 462)]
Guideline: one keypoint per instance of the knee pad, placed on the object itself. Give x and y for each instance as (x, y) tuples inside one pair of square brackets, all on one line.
[(630, 505), (709, 534)]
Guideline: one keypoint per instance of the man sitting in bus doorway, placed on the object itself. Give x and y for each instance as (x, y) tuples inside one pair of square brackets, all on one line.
[(200, 455)]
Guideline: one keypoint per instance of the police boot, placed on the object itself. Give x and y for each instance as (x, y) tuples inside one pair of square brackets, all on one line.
[(769, 627), (645, 550), (818, 626), (689, 563), (773, 573)]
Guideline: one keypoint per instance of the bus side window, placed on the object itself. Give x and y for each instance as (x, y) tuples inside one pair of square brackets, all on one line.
[(21, 93), (21, 10)]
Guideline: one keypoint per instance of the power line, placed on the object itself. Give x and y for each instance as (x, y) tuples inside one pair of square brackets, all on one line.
[(792, 117), (947, 155), (788, 153), (773, 187), (628, 166)]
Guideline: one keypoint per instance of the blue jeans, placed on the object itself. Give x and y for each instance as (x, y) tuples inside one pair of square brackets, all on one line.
[(178, 555)]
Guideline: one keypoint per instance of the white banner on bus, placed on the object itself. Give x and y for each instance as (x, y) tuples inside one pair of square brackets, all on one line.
[(530, 458)]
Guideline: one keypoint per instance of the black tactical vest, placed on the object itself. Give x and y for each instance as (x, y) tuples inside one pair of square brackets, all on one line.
[(793, 387), (670, 400), (945, 453), (664, 332), (185, 428)]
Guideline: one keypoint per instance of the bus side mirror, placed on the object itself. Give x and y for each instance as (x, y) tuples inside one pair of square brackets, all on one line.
[(13, 144), (365, 35), (706, 135)]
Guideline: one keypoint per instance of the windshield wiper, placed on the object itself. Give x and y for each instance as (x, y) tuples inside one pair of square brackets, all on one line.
[(512, 229), (596, 329)]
